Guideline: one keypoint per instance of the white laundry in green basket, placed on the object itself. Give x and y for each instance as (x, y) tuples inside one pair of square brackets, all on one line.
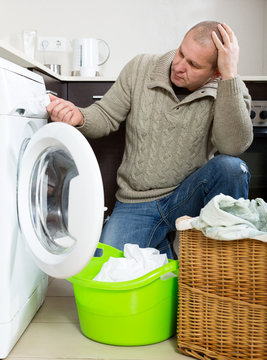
[(135, 263)]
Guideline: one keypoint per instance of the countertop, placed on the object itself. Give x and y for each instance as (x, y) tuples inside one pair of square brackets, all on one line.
[(18, 57)]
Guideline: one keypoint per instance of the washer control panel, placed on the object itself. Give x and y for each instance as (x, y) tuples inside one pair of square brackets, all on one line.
[(258, 112)]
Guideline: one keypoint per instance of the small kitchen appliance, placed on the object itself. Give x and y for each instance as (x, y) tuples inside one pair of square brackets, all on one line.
[(88, 55)]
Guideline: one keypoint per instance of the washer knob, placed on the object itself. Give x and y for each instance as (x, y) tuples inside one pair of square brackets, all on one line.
[(263, 114), (252, 114)]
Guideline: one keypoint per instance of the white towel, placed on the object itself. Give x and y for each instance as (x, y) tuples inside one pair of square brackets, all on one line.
[(136, 263)]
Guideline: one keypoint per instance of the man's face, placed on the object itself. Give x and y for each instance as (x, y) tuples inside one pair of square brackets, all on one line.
[(192, 64)]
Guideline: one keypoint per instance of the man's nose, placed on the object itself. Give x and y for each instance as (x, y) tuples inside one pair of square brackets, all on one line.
[(181, 66)]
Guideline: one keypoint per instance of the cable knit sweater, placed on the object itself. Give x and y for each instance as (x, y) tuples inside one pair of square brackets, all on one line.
[(167, 139)]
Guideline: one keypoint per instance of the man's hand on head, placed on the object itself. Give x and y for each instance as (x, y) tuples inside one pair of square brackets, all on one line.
[(228, 52)]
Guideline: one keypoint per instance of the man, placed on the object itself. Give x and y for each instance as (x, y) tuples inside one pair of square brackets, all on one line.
[(168, 168)]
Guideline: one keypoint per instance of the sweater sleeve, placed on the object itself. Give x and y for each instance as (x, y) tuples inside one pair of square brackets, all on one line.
[(232, 131), (106, 115)]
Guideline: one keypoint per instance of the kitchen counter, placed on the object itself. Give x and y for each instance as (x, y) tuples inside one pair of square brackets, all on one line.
[(18, 57)]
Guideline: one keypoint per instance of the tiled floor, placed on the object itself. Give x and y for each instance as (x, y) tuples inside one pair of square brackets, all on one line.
[(54, 333)]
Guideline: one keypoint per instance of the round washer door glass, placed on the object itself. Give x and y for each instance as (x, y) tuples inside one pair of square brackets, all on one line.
[(60, 199)]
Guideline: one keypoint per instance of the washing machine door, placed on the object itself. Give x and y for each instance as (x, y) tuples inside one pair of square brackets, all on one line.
[(60, 199)]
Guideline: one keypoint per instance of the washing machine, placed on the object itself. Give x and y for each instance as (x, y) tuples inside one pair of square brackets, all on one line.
[(51, 200)]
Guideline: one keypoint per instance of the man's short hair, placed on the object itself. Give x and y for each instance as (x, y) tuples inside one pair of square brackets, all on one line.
[(202, 34)]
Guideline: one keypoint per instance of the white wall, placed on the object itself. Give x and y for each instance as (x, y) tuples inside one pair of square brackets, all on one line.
[(135, 26)]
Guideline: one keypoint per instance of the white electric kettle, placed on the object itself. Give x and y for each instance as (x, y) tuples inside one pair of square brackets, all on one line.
[(88, 55)]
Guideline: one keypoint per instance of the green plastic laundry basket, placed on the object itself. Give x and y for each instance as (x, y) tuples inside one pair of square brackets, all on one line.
[(130, 313)]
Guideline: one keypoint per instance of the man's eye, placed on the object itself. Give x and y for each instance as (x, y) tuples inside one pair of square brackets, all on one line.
[(193, 65)]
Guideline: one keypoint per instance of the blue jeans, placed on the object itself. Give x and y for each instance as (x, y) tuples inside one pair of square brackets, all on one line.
[(149, 223)]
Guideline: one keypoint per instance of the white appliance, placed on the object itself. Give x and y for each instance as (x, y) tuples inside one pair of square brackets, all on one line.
[(88, 55), (51, 200)]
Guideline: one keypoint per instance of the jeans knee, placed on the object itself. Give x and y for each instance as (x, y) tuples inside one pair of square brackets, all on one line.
[(231, 166), (229, 175)]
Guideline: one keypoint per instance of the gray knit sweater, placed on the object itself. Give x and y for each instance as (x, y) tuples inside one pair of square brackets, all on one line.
[(167, 139)]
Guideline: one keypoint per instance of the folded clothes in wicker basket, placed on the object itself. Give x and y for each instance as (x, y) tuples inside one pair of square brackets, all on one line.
[(227, 218), (222, 313)]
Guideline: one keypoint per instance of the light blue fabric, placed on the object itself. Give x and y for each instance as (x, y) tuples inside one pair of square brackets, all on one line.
[(149, 224), (225, 218)]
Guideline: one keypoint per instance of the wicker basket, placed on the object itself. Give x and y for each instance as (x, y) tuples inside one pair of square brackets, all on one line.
[(222, 298)]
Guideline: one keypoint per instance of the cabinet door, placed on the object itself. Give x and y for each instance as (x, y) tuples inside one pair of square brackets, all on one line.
[(255, 155), (86, 93), (53, 84), (109, 149)]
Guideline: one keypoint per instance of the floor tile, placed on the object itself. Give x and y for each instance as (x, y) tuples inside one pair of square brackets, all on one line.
[(49, 358), (65, 340), (54, 333), (60, 287), (60, 309)]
